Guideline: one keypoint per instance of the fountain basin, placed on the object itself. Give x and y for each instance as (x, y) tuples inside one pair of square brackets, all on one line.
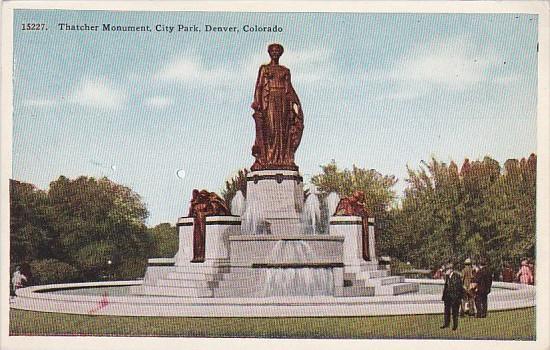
[(49, 298)]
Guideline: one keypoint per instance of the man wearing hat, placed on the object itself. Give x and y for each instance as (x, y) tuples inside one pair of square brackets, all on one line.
[(483, 281), (452, 296), (467, 306)]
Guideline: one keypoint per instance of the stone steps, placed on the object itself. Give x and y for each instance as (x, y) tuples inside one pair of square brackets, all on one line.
[(369, 274), (201, 269), (384, 281), (172, 291), (181, 283), (354, 291), (238, 291), (396, 289), (194, 276), (240, 283)]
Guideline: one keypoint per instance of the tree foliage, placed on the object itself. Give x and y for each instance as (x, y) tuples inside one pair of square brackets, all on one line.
[(164, 239), (83, 223), (51, 271), (377, 187), (479, 211), (72, 231), (234, 184), (379, 195)]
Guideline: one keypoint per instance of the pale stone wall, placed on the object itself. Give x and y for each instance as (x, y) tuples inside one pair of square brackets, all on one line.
[(275, 198), (218, 230), (350, 227), (247, 250)]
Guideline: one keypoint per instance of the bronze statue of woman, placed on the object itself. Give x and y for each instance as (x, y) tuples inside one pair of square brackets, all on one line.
[(278, 116)]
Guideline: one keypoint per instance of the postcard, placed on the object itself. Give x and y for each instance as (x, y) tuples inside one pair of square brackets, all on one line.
[(264, 174)]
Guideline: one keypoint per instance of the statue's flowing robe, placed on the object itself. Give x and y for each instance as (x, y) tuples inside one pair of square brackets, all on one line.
[(279, 119)]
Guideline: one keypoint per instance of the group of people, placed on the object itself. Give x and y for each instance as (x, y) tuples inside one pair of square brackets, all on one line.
[(466, 292), (525, 274)]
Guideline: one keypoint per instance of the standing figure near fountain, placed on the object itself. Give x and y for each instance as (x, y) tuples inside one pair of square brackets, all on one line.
[(278, 116), (353, 205), (203, 204)]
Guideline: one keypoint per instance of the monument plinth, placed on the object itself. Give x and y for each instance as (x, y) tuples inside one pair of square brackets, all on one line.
[(274, 203)]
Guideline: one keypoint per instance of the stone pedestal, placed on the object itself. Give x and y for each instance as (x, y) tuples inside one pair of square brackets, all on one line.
[(218, 229), (286, 251), (274, 202), (351, 229)]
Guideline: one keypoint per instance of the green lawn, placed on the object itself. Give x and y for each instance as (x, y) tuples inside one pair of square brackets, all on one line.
[(509, 325)]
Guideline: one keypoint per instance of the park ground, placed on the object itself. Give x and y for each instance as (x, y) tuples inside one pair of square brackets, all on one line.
[(500, 325)]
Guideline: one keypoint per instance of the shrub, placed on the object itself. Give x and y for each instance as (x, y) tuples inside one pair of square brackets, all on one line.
[(53, 271)]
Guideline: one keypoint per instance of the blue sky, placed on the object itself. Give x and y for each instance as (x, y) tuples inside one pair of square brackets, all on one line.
[(380, 91)]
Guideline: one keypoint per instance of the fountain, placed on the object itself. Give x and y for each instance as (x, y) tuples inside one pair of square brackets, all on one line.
[(312, 214), (265, 257), (272, 246), (238, 204), (332, 201)]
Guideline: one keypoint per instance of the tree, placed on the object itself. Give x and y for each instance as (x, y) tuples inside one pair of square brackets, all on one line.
[(479, 211), (82, 223), (164, 239), (31, 235), (236, 183), (378, 198), (49, 271), (513, 203), (377, 187)]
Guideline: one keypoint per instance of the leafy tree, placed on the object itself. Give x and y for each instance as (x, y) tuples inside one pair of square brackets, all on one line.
[(98, 220), (236, 183), (513, 200), (82, 223), (164, 239), (48, 271), (30, 232), (377, 187), (379, 195), (477, 211)]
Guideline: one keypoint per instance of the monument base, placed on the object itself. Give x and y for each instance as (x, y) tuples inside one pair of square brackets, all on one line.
[(274, 202), (361, 272)]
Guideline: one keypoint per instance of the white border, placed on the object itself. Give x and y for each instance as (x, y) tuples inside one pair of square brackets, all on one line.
[(543, 182)]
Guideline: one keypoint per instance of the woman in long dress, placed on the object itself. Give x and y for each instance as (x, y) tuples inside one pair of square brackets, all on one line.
[(278, 115), (524, 274)]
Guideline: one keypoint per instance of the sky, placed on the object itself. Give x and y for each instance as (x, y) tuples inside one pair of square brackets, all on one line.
[(380, 91)]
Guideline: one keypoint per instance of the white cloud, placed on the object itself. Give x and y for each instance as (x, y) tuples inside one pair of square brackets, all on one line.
[(306, 65), (312, 64), (454, 64), (39, 102), (98, 93), (157, 102), (189, 69), (508, 79)]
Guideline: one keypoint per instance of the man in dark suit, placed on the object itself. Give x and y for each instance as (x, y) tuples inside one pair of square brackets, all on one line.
[(452, 296), (483, 281)]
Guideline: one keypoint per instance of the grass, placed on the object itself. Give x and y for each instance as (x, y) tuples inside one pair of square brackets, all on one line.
[(503, 325)]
